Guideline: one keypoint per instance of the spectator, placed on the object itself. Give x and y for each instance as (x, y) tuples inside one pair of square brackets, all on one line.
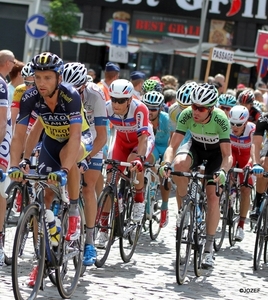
[(220, 83), (169, 98), (15, 78), (170, 80), (92, 73), (211, 80), (137, 79)]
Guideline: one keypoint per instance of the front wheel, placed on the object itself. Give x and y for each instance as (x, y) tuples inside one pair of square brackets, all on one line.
[(104, 225), (184, 241), (28, 254)]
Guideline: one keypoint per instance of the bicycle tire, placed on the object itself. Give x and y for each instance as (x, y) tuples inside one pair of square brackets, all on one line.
[(233, 219), (200, 240), (26, 237), (184, 239), (221, 229), (154, 224), (261, 233), (106, 198), (131, 232), (71, 258)]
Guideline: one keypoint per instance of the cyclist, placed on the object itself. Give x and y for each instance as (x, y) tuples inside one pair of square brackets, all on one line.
[(246, 98), (7, 61), (241, 140), (163, 130), (151, 85), (260, 162), (133, 141), (60, 114), (94, 103), (226, 102), (210, 141), (28, 77)]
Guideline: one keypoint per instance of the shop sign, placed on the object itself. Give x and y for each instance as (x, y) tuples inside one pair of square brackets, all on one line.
[(261, 46)]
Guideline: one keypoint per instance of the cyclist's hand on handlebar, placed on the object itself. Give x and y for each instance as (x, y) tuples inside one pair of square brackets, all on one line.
[(15, 173), (257, 169), (220, 177), (165, 169), (137, 165), (25, 164), (58, 176)]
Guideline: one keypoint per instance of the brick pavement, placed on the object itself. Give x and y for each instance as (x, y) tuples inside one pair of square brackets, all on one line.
[(151, 275)]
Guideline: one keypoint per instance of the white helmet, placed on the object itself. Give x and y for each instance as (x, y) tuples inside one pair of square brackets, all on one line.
[(205, 95), (183, 95), (153, 98), (27, 70), (75, 74), (121, 88), (238, 114)]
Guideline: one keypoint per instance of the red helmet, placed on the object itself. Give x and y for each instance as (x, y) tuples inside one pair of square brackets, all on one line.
[(246, 97)]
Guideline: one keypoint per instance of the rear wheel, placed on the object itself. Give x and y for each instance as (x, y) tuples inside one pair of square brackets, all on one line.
[(131, 232), (221, 229), (104, 225), (28, 254), (184, 243), (261, 235), (71, 255)]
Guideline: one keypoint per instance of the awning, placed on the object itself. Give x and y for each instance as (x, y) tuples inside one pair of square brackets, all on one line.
[(164, 46)]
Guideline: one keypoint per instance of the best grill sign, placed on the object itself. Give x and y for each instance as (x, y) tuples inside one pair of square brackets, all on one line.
[(222, 55)]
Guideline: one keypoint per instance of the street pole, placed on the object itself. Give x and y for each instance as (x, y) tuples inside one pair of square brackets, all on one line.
[(198, 58)]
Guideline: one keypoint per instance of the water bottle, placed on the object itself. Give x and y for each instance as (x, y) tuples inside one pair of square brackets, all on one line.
[(152, 189), (232, 196), (52, 227), (120, 203), (56, 208), (199, 214)]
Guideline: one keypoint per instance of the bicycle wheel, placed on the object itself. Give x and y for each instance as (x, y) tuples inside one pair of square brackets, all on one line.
[(184, 243), (200, 240), (131, 232), (106, 199), (265, 254), (221, 229), (233, 218), (71, 258), (28, 254), (14, 191), (261, 234), (154, 224)]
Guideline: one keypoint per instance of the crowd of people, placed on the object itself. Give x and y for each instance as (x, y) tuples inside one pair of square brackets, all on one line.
[(151, 119)]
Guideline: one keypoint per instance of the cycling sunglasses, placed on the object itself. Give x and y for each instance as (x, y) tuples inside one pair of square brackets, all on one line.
[(200, 108), (119, 100), (153, 108), (227, 108), (237, 125), (28, 83)]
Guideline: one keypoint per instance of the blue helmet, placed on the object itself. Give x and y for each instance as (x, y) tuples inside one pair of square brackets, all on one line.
[(227, 100)]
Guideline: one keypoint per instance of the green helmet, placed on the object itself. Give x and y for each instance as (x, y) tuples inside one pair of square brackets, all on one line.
[(151, 85)]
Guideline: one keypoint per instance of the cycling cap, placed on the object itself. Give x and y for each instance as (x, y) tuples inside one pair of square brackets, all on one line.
[(183, 95), (153, 98), (121, 88), (75, 74), (227, 99), (47, 61), (205, 95), (151, 85), (27, 70), (246, 97), (238, 114)]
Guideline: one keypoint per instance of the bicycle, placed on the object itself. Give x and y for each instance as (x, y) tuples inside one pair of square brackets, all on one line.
[(120, 224), (191, 234), (152, 201), (261, 231), (32, 246), (230, 207)]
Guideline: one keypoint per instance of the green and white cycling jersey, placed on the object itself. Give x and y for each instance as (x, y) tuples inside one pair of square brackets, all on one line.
[(205, 136)]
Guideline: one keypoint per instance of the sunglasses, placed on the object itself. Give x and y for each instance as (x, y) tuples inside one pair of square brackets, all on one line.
[(119, 100), (237, 125), (199, 108), (227, 108), (28, 83), (153, 108)]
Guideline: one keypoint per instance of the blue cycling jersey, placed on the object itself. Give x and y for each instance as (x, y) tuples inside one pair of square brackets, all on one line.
[(164, 130)]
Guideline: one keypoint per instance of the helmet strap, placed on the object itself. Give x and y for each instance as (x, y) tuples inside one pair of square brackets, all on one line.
[(56, 88)]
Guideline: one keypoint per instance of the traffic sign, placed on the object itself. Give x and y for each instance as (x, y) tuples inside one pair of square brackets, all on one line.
[(261, 46), (119, 33), (36, 26), (118, 54)]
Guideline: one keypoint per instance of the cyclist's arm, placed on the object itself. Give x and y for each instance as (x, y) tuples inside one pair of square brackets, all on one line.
[(173, 146), (68, 159), (33, 138), (142, 144), (227, 158), (256, 149)]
